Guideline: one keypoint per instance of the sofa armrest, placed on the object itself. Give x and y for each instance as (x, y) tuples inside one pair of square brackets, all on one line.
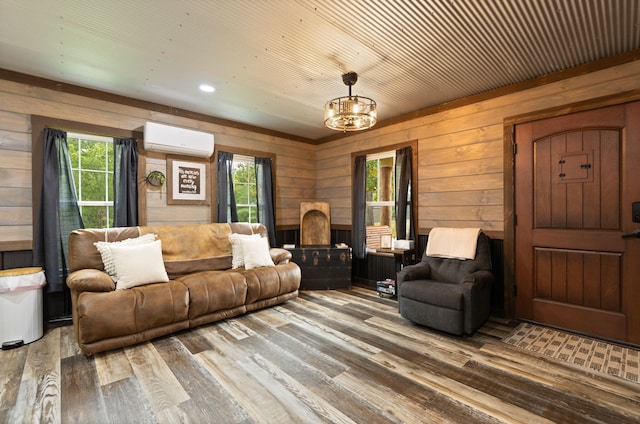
[(419, 271), (280, 256), (91, 280)]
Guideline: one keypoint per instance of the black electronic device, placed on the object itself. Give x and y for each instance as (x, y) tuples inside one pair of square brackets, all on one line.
[(635, 211)]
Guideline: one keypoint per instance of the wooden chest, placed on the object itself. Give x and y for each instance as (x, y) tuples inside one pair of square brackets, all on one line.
[(323, 267)]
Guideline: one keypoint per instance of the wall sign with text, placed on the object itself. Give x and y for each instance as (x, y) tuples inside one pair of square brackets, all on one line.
[(187, 179)]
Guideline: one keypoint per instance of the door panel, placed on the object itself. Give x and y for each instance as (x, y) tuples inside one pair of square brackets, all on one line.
[(590, 279), (575, 178)]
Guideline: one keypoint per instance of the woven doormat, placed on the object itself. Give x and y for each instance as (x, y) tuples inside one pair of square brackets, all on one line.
[(595, 355)]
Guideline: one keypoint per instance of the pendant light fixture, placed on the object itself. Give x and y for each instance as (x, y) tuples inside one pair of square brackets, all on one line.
[(350, 113)]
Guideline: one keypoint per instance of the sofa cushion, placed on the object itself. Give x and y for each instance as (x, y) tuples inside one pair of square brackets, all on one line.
[(248, 228), (82, 251), (271, 281), (193, 248), (104, 247), (447, 295), (256, 252), (103, 315), (237, 248), (128, 260), (211, 291), (262, 283)]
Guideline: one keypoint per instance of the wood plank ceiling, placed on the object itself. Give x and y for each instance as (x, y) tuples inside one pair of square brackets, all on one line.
[(274, 64)]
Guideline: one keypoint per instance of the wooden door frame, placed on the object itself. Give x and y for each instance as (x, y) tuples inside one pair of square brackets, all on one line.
[(509, 176)]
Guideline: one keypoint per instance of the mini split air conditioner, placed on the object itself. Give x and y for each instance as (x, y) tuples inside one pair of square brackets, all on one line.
[(179, 141)]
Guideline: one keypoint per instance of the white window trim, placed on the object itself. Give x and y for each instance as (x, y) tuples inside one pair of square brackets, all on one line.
[(90, 137), (382, 155)]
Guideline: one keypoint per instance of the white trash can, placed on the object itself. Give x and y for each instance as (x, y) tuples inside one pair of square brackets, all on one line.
[(21, 304)]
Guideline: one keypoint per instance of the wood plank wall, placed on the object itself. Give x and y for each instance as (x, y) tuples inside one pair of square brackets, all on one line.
[(294, 172), (460, 152), (15, 179)]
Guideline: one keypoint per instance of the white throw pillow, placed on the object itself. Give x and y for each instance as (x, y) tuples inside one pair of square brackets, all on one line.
[(237, 252), (138, 265), (256, 252), (104, 247)]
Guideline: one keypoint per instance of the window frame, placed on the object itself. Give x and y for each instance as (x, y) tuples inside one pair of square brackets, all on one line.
[(414, 176), (238, 158), (39, 123), (108, 175), (387, 154), (239, 152)]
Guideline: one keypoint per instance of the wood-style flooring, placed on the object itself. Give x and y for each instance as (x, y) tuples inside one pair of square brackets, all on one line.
[(328, 356)]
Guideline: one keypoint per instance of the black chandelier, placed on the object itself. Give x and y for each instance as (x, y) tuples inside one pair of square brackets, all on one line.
[(350, 113)]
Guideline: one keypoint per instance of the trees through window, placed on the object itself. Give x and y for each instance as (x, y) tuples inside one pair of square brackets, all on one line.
[(244, 188), (92, 164), (380, 186)]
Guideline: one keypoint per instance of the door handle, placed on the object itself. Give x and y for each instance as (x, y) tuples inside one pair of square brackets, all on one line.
[(633, 234)]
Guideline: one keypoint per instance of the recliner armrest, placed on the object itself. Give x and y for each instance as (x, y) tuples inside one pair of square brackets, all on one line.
[(90, 280), (476, 291), (280, 256), (419, 271), (479, 278)]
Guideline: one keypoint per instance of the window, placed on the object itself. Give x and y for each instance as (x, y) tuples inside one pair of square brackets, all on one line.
[(244, 188), (380, 190), (382, 205), (245, 191), (92, 165)]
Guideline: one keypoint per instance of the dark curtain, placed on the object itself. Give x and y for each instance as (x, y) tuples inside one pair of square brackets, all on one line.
[(359, 207), (226, 196), (403, 173), (125, 182), (266, 201), (59, 213)]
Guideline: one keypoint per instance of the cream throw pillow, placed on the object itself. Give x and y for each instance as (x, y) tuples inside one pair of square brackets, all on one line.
[(256, 252), (138, 265), (237, 251), (104, 247)]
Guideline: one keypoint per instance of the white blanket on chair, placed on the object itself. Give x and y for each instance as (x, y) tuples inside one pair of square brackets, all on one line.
[(457, 243)]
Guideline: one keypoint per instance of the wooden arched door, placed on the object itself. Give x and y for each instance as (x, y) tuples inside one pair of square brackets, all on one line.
[(576, 178)]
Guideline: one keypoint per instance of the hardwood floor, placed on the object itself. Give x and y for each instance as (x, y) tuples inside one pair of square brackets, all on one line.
[(329, 356)]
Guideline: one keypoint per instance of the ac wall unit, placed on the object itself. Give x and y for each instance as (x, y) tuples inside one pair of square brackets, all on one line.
[(179, 141)]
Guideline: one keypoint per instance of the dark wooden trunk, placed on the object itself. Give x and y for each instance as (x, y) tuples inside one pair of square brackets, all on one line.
[(323, 267)]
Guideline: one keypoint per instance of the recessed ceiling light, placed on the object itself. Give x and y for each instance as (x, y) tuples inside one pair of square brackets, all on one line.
[(207, 88)]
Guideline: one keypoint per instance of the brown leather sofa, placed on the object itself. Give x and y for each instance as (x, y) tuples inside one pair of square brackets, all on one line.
[(202, 285)]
